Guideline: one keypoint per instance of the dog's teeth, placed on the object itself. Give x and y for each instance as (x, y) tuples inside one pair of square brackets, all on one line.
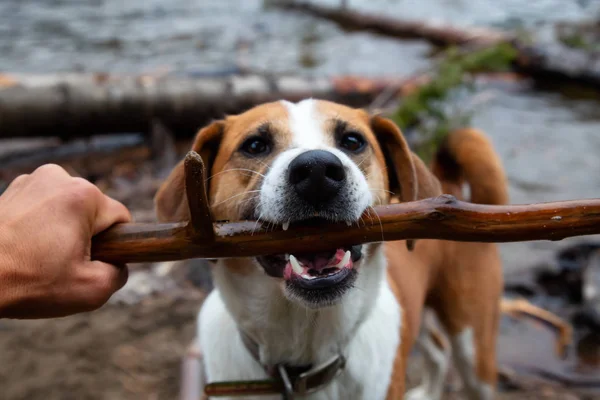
[(349, 223), (285, 225), (296, 265), (287, 257), (344, 261)]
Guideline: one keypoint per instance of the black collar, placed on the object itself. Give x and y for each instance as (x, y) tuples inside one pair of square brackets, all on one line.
[(298, 379)]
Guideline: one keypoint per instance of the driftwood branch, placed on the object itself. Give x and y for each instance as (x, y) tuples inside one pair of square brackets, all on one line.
[(105, 146), (548, 62), (434, 32), (78, 105), (563, 330), (437, 218)]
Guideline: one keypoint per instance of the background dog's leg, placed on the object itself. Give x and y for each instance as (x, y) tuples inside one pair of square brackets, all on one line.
[(436, 357), (466, 301), (473, 370)]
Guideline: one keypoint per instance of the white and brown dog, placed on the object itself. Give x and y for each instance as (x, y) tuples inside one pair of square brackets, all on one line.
[(282, 163)]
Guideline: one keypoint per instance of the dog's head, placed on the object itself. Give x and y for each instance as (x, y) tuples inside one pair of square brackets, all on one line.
[(282, 163)]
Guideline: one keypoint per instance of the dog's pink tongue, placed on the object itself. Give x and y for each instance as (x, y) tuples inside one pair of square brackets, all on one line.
[(321, 261)]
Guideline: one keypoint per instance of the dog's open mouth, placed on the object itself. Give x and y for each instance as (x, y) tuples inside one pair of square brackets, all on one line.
[(317, 278)]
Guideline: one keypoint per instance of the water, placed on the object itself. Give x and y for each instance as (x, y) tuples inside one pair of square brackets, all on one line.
[(183, 35), (497, 13), (545, 157), (549, 145), (199, 35)]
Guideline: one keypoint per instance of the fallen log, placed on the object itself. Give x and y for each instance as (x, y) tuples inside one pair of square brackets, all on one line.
[(90, 159), (548, 62), (437, 33), (75, 105), (440, 218), (557, 63), (96, 156), (94, 147)]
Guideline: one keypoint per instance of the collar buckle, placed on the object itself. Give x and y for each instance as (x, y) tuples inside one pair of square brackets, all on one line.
[(312, 380), (288, 389)]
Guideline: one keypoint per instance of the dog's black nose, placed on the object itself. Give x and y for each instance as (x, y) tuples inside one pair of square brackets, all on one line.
[(317, 176)]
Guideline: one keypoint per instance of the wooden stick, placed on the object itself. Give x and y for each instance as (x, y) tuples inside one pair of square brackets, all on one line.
[(443, 217), (200, 215)]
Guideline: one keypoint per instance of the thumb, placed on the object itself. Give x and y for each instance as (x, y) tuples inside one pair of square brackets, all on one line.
[(104, 280), (109, 212)]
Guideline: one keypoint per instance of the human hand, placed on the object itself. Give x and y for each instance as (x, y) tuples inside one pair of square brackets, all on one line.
[(47, 220)]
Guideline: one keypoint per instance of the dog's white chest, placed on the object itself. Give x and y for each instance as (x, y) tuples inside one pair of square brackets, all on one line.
[(370, 353)]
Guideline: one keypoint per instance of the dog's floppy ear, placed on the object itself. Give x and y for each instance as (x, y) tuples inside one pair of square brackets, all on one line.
[(170, 201), (407, 174)]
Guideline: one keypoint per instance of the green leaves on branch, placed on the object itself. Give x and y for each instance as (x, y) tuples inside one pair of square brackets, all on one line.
[(425, 109)]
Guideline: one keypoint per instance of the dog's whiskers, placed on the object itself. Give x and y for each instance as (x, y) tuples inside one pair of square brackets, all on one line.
[(235, 196), (360, 163), (363, 221), (251, 198), (380, 224), (235, 169), (378, 199), (382, 190), (256, 224), (263, 163), (369, 175), (273, 226)]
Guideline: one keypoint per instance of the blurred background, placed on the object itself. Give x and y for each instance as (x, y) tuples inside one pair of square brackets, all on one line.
[(114, 91)]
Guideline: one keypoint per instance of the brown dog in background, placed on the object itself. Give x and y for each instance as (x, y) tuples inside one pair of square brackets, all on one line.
[(283, 163)]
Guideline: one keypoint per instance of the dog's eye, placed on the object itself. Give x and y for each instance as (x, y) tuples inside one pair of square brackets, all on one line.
[(256, 146), (353, 142)]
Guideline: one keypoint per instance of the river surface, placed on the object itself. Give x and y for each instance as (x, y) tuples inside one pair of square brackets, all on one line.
[(200, 35)]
